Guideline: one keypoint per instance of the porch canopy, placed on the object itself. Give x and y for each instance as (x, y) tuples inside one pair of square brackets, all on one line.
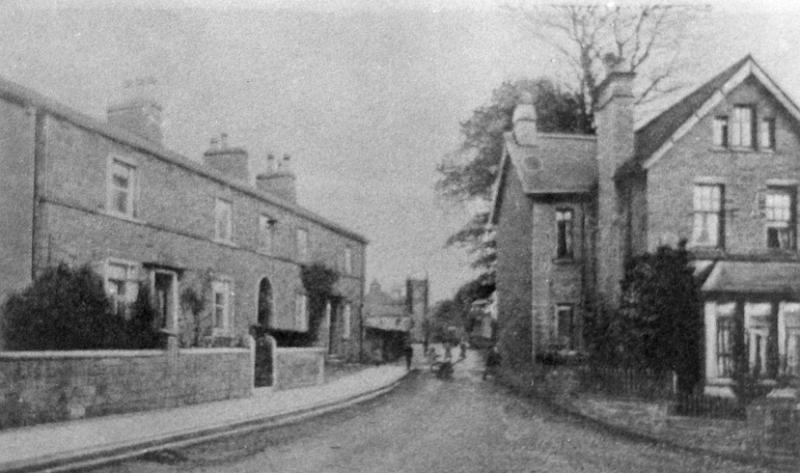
[(754, 278)]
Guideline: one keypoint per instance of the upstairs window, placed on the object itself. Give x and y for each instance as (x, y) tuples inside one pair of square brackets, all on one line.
[(741, 128), (766, 133), (708, 224), (302, 245), (780, 215), (721, 131), (266, 233), (564, 227), (348, 260), (223, 221), (122, 188)]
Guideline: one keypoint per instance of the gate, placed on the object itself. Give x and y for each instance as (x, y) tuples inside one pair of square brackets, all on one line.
[(265, 346)]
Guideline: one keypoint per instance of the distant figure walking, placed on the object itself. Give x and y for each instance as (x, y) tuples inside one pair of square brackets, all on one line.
[(448, 351), (408, 351), (463, 347), (492, 362)]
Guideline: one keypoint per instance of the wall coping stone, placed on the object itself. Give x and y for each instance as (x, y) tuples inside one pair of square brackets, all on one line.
[(61, 354), (213, 351), (300, 349)]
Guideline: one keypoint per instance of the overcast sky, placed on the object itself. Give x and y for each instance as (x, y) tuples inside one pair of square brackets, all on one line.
[(366, 96)]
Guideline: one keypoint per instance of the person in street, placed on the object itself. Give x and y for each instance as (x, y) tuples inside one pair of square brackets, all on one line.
[(408, 351), (463, 347), (448, 351), (492, 362)]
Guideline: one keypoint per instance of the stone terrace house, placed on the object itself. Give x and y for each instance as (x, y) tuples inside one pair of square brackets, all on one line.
[(720, 168), (79, 190)]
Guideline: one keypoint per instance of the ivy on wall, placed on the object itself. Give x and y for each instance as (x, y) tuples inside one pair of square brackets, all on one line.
[(319, 282)]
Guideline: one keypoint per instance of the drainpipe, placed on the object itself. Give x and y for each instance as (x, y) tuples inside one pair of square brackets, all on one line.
[(361, 304), (39, 182)]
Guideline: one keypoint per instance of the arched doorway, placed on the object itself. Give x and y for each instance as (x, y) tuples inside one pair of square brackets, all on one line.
[(264, 303), (264, 343)]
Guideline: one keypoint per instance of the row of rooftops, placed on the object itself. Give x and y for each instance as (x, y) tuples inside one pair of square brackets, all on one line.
[(144, 141), (548, 163)]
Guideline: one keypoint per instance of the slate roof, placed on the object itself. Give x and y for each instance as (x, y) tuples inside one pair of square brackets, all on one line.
[(30, 98), (558, 163), (650, 136), (754, 277)]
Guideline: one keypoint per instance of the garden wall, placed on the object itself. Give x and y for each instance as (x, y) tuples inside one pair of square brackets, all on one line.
[(49, 386), (295, 367)]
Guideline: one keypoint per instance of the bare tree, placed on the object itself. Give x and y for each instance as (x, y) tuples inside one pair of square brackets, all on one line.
[(645, 39)]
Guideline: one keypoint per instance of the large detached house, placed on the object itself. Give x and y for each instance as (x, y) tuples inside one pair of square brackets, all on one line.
[(107, 193), (720, 169)]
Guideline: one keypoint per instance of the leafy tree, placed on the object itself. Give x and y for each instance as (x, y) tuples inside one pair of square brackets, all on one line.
[(319, 282), (63, 309), (143, 328), (467, 174), (659, 324)]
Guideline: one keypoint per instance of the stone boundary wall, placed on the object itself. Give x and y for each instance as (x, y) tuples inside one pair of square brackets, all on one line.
[(296, 367), (50, 386)]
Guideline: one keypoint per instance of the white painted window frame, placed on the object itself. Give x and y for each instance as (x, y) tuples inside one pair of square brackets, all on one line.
[(302, 238), (266, 233), (132, 271), (347, 315), (712, 312), (133, 190), (222, 285), (707, 207), (778, 217), (218, 203), (348, 260), (172, 324)]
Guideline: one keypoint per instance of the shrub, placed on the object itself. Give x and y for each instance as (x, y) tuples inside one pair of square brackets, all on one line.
[(63, 309), (143, 328)]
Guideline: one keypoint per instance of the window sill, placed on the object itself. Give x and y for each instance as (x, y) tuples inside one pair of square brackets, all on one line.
[(565, 261), (122, 216), (741, 150), (225, 243)]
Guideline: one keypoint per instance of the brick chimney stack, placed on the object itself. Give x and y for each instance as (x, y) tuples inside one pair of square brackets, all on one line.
[(524, 121), (139, 111), (232, 161), (279, 179), (615, 146)]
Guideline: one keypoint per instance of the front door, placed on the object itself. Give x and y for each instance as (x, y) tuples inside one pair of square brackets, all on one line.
[(333, 329), (164, 295)]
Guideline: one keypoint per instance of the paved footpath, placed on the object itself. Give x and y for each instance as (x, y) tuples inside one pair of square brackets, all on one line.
[(429, 425), (66, 445)]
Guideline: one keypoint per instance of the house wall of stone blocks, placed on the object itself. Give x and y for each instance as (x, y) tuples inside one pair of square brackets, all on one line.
[(558, 282), (38, 387), (17, 128), (745, 175), (514, 273), (55, 208)]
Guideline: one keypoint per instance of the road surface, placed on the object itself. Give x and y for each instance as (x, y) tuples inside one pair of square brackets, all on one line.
[(428, 425)]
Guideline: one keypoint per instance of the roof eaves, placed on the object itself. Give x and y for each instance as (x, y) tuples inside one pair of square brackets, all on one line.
[(31, 98)]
